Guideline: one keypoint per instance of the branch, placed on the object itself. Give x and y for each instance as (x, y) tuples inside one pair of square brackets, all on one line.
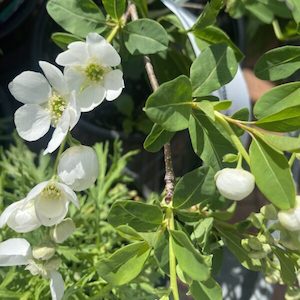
[(169, 176)]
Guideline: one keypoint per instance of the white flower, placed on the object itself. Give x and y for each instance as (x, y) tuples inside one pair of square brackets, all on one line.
[(290, 219), (46, 204), (78, 167), (234, 184), (89, 71), (47, 101), (17, 252)]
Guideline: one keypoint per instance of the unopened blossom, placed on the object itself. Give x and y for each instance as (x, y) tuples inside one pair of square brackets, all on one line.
[(90, 71), (290, 219), (18, 252), (46, 204), (48, 101), (234, 184), (78, 167)]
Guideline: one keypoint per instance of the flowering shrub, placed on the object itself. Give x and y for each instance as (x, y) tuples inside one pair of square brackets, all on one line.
[(179, 234)]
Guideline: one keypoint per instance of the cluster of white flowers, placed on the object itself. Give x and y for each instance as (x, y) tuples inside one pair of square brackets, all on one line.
[(57, 99)]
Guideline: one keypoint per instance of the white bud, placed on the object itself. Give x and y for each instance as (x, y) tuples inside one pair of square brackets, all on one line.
[(234, 184), (63, 230), (78, 167), (290, 219), (43, 252)]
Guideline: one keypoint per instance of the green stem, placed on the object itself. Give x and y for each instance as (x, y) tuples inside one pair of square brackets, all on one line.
[(113, 33), (277, 30), (60, 151), (172, 258), (292, 159), (238, 144)]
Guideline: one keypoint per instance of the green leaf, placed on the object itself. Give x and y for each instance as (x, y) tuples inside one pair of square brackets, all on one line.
[(125, 264), (215, 67), (222, 105), (283, 121), (140, 216), (157, 138), (142, 7), (214, 35), (206, 290), (209, 141), (77, 16), (287, 268), (295, 8), (115, 8), (145, 36), (272, 174), (282, 142), (171, 104), (261, 11), (194, 187), (207, 107), (194, 264), (209, 14), (232, 240), (62, 39), (278, 63), (202, 231), (278, 99)]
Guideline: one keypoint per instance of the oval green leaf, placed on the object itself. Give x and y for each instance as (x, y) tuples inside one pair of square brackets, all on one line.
[(115, 8), (145, 36), (272, 174)]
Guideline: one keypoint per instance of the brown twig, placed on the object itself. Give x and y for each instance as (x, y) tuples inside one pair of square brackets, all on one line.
[(169, 176)]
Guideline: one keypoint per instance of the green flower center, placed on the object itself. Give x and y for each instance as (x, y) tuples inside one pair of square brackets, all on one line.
[(57, 105), (51, 192), (94, 72)]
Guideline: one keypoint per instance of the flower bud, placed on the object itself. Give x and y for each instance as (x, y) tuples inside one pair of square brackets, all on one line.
[(290, 219), (63, 230), (78, 167), (234, 184), (43, 252)]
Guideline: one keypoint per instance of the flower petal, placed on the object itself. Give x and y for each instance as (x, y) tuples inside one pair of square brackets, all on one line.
[(103, 51), (24, 218), (74, 78), (57, 287), (74, 110), (32, 121), (78, 167), (9, 210), (69, 194), (63, 231), (14, 252), (59, 133), (90, 97), (113, 83), (36, 190), (51, 211), (76, 55), (55, 77), (30, 87)]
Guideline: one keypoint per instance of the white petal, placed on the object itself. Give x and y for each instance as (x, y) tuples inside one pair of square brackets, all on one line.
[(32, 121), (8, 211), (290, 219), (57, 287), (36, 190), (113, 83), (90, 97), (55, 77), (14, 252), (74, 78), (78, 167), (77, 54), (100, 49), (63, 230), (51, 211), (59, 133), (234, 184), (69, 194), (74, 110), (30, 87), (24, 218)]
